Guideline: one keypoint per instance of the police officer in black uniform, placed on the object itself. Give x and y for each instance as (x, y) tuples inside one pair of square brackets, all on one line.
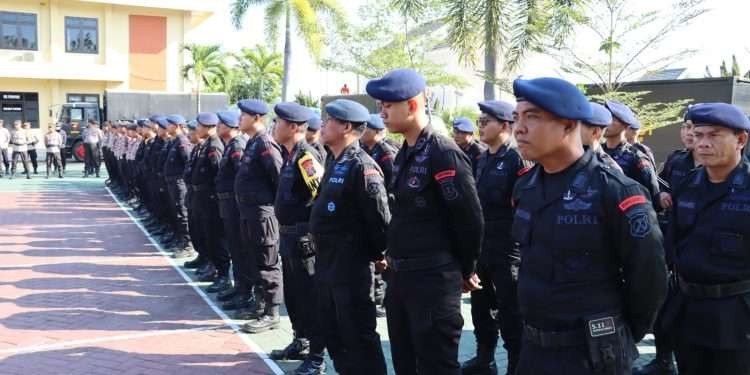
[(592, 275), (677, 166), (234, 145), (194, 229), (313, 136), (463, 134), (634, 163), (631, 135), (255, 186), (497, 170), (710, 314), (205, 202), (349, 221), (299, 184), (592, 131), (167, 235), (434, 236), (174, 166)]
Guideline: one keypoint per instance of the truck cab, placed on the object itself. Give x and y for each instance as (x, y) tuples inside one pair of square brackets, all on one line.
[(73, 118)]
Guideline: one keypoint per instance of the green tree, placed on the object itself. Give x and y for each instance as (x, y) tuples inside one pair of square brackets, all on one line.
[(309, 16), (652, 115), (724, 71), (206, 67), (370, 49), (509, 28), (307, 100), (264, 72)]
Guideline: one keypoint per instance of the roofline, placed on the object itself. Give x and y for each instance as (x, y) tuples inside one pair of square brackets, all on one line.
[(180, 5), (674, 81)]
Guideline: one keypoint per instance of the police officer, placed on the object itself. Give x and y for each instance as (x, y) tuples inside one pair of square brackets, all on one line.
[(63, 148), (313, 136), (53, 142), (33, 140), (205, 202), (174, 166), (497, 170), (592, 131), (634, 163), (677, 166), (349, 220), (133, 144), (434, 235), (19, 142), (91, 138), (197, 237), (592, 275), (299, 184), (463, 134), (631, 136), (373, 142), (710, 314), (234, 144), (255, 186), (4, 145)]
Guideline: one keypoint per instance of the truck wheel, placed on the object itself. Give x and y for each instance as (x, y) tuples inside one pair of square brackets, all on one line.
[(79, 152)]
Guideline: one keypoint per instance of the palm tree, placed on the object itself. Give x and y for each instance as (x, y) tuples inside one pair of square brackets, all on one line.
[(263, 69), (306, 13), (509, 27), (207, 66)]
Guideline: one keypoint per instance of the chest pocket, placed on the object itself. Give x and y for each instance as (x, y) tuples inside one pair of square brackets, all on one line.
[(728, 246), (286, 184), (521, 228), (578, 242)]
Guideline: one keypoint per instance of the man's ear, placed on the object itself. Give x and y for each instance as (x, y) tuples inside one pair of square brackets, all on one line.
[(742, 139), (412, 103)]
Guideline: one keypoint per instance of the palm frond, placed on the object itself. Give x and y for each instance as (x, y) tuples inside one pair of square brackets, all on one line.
[(307, 26)]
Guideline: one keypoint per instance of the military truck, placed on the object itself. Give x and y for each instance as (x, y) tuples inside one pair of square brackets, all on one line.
[(120, 105)]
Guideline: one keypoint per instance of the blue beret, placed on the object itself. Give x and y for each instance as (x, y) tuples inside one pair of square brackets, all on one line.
[(154, 117), (176, 119), (397, 85), (347, 110), (314, 123), (720, 114), (555, 95), (253, 106), (192, 124), (161, 121), (229, 118), (499, 109), (131, 126), (143, 122), (208, 119), (375, 122), (463, 124), (293, 112), (623, 113), (601, 116)]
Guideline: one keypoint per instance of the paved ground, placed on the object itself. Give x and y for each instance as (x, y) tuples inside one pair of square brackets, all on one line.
[(84, 290)]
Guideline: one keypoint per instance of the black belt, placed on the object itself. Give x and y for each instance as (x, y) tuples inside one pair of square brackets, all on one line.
[(173, 178), (716, 290), (204, 187), (421, 263), (553, 339), (299, 228), (225, 195)]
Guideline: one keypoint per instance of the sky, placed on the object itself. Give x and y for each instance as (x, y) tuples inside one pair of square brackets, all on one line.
[(716, 35)]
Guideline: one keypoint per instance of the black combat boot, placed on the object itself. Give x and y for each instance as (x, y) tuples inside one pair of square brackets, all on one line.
[(482, 364), (270, 320)]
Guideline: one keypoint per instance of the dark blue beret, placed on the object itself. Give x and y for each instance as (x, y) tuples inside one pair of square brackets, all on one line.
[(176, 119), (600, 117), (253, 106), (161, 121), (293, 112), (314, 123), (623, 113), (397, 85), (143, 122), (720, 114), (208, 119), (375, 122), (229, 118), (154, 117), (555, 95), (131, 126), (192, 124), (498, 109), (347, 110), (463, 124)]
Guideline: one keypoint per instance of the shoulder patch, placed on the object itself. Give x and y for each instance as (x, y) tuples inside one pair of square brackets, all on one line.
[(523, 171), (440, 176), (371, 172), (629, 202)]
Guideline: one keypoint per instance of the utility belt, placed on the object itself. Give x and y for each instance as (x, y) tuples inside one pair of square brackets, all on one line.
[(421, 263), (714, 291), (606, 337), (173, 178), (224, 196), (305, 244), (251, 199), (299, 228)]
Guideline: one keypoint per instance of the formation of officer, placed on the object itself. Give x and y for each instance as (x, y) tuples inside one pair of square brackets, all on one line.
[(563, 258)]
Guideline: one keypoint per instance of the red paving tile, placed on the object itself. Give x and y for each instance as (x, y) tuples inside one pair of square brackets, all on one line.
[(83, 291)]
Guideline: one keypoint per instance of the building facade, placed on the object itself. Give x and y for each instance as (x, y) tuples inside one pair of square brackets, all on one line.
[(59, 51)]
